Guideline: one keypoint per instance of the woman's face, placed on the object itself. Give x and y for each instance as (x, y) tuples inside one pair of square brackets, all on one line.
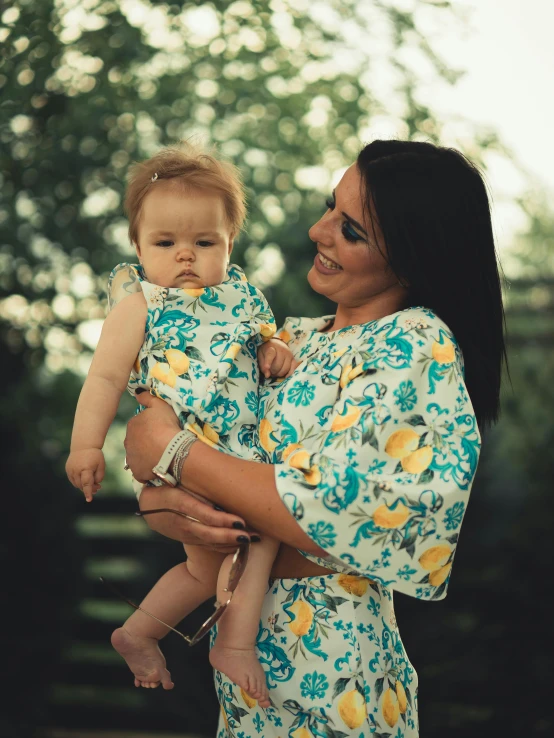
[(349, 267)]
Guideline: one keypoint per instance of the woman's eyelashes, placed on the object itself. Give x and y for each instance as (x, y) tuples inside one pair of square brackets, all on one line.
[(349, 233), (347, 230)]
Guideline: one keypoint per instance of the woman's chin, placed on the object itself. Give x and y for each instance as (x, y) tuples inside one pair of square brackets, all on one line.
[(312, 279), (315, 282)]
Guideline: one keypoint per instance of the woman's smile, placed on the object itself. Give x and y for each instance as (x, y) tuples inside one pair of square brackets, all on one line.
[(325, 265)]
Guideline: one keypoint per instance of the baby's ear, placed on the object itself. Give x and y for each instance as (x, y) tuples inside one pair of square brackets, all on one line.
[(231, 244), (137, 248)]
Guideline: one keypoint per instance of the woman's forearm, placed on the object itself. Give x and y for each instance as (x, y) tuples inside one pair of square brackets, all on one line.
[(246, 488)]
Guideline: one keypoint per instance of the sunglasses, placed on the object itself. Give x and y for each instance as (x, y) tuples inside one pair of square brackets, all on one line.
[(238, 566)]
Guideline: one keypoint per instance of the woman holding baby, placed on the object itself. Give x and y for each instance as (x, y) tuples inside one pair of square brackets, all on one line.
[(370, 445)]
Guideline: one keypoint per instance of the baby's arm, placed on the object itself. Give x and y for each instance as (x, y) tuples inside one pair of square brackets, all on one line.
[(120, 342), (275, 359)]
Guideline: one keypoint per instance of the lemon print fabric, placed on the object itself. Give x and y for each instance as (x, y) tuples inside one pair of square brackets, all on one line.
[(200, 354), (374, 445)]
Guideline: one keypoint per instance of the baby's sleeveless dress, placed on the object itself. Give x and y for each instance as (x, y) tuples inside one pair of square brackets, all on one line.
[(200, 354)]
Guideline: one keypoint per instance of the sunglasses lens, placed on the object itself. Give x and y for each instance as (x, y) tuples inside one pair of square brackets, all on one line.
[(240, 559), (208, 625)]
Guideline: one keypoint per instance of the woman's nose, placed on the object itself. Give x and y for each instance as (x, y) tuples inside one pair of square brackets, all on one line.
[(317, 231)]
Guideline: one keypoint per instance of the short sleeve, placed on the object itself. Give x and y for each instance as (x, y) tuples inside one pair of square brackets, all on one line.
[(383, 485), (124, 280)]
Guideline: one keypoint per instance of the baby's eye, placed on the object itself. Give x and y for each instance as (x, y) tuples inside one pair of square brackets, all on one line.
[(204, 244), (164, 244)]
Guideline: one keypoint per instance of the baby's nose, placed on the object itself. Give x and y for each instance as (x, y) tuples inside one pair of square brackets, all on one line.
[(185, 254)]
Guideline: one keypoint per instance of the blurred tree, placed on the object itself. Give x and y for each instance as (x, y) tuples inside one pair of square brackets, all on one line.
[(288, 90)]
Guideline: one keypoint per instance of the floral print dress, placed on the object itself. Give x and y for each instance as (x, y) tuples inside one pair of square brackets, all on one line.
[(375, 446), (200, 354)]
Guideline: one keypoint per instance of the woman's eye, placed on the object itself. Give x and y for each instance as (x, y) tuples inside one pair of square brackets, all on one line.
[(164, 244), (330, 203), (350, 234)]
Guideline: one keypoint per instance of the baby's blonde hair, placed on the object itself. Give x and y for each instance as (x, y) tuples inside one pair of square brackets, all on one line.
[(191, 166)]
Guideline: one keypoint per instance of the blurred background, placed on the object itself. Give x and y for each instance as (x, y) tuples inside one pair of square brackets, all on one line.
[(288, 90)]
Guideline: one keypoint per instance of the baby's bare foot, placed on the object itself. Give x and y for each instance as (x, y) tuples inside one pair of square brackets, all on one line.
[(243, 668), (143, 657)]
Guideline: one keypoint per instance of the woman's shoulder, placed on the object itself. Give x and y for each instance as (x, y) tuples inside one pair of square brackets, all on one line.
[(411, 335)]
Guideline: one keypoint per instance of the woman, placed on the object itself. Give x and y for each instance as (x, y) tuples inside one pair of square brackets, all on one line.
[(372, 444)]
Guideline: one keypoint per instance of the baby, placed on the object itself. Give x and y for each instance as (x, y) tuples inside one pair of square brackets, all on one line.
[(188, 327)]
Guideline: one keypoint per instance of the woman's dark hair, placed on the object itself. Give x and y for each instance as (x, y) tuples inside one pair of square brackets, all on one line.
[(432, 207)]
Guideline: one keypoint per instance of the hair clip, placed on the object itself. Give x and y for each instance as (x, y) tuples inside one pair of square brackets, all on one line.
[(154, 176)]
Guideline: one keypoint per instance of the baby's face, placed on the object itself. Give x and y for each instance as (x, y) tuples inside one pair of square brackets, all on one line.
[(184, 239)]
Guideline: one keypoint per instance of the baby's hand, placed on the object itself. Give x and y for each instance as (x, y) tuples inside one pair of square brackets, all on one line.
[(85, 470), (275, 359)]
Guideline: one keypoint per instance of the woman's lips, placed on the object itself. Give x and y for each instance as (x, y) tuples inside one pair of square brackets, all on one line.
[(320, 266)]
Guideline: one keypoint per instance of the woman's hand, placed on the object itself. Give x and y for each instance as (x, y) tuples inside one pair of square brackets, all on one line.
[(148, 434), (217, 530)]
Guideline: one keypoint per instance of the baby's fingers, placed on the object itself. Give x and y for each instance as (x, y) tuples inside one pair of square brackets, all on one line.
[(99, 473), (88, 485), (277, 366), (293, 366), (268, 358)]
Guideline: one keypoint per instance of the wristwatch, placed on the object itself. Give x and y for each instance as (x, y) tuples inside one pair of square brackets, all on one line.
[(162, 467)]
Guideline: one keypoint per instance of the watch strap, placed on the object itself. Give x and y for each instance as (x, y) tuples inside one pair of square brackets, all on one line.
[(167, 457)]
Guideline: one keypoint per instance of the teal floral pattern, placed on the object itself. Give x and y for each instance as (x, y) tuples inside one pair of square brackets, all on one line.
[(454, 516), (375, 447), (314, 685), (199, 352), (406, 396)]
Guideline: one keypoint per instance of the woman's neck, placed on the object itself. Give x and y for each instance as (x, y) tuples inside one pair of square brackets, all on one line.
[(382, 305)]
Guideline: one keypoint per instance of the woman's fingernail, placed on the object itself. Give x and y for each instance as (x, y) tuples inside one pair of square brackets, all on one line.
[(239, 525), (243, 539), (255, 539), (216, 507)]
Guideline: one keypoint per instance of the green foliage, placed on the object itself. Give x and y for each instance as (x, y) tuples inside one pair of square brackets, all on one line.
[(287, 90), (87, 89)]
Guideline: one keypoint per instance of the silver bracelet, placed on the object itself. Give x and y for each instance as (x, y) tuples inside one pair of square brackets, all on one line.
[(161, 468), (181, 454)]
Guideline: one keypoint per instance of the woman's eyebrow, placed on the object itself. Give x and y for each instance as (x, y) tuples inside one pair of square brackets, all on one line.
[(350, 219)]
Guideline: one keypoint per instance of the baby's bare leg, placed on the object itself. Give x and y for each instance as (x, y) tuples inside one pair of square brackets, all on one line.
[(234, 651), (174, 596)]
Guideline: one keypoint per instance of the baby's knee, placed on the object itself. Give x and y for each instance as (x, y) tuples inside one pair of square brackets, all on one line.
[(204, 569)]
